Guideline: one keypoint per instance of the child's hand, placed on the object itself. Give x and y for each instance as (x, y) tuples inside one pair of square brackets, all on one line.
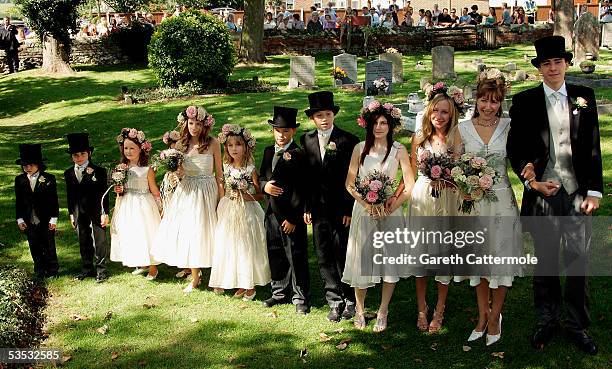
[(288, 228), (104, 220), (346, 221), (307, 218), (52, 227), (273, 190), (72, 222), (118, 189), (22, 226)]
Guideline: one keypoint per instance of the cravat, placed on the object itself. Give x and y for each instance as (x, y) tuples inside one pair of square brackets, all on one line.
[(323, 139), (278, 152)]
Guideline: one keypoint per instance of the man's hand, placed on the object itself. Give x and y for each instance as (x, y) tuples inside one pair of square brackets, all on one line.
[(104, 220), (307, 218), (548, 188), (273, 190), (288, 228), (346, 221), (52, 227), (528, 172), (589, 205), (22, 226), (72, 222)]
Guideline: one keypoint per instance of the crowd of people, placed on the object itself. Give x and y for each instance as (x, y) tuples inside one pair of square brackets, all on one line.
[(207, 213)]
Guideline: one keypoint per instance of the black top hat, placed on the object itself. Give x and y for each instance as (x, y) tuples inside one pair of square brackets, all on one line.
[(550, 47), (78, 142), (322, 100), (29, 154), (284, 117)]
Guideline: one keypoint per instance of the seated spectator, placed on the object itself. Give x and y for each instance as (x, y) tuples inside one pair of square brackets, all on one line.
[(365, 11), (429, 19), (476, 17), (520, 16), (286, 13), (506, 18), (394, 8), (408, 21), (454, 17), (422, 22), (551, 16), (465, 18), (269, 23), (91, 30), (435, 14), (388, 22), (491, 19), (295, 22), (229, 22), (313, 9), (375, 17), (329, 23), (605, 18), (314, 25), (280, 23), (444, 19)]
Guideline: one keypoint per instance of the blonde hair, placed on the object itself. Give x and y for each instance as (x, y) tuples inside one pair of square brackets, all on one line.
[(427, 128), (248, 152)]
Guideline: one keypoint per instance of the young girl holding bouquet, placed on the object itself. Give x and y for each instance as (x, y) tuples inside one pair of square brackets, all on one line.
[(136, 217), (373, 167), (185, 237), (240, 257)]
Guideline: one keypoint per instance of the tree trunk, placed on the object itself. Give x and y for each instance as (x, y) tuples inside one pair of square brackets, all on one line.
[(55, 57), (564, 21), (252, 32)]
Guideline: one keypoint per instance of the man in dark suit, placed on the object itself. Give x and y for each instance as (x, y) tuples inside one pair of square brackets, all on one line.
[(329, 206), (553, 146), (85, 185), (10, 44), (281, 179), (37, 209)]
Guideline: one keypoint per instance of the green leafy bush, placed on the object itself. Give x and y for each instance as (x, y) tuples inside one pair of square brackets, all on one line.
[(22, 301), (193, 47)]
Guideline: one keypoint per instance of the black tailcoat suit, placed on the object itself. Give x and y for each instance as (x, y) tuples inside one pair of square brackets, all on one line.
[(43, 202), (287, 253), (328, 201), (84, 204), (529, 142)]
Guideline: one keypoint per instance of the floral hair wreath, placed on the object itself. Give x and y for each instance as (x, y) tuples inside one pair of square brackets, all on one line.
[(375, 107), (497, 75), (235, 130), (454, 92), (171, 136), (198, 113), (135, 135)]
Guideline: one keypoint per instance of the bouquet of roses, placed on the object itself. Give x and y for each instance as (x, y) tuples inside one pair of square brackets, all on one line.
[(436, 167), (236, 182), (474, 178), (119, 175), (375, 188), (379, 86), (170, 160)]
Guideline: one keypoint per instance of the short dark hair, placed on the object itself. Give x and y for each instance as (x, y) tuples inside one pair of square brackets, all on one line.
[(474, 7)]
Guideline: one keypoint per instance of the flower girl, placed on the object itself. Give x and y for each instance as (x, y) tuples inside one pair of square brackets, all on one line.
[(185, 236), (136, 217), (240, 257)]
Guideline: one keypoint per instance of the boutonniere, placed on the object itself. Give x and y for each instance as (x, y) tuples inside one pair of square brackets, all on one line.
[(579, 103), (331, 149), (286, 156), (89, 170), (41, 179)]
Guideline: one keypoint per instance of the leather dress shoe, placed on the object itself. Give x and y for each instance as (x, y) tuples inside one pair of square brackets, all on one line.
[(302, 309), (542, 335), (349, 312), (81, 276), (335, 314), (583, 341), (272, 301), (102, 277)]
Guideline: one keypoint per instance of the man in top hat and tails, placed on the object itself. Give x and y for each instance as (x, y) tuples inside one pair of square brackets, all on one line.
[(37, 209), (553, 146), (329, 206), (281, 179), (85, 186)]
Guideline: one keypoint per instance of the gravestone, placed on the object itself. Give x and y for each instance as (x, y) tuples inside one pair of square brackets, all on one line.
[(375, 70), (586, 32), (520, 76), (302, 72), (443, 59), (348, 62), (398, 66), (509, 67), (606, 35), (481, 68), (422, 82)]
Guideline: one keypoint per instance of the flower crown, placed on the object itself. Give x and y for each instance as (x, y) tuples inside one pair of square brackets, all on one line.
[(235, 130), (495, 74), (454, 92), (135, 135), (198, 113), (375, 107), (171, 136)]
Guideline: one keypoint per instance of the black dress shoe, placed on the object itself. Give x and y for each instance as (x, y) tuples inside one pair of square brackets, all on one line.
[(302, 309), (349, 312), (583, 341), (81, 276), (542, 335), (335, 314), (272, 301), (101, 278)]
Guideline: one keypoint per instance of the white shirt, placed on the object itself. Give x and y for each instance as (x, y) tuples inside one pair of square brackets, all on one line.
[(79, 169), (33, 179), (276, 150), (323, 140)]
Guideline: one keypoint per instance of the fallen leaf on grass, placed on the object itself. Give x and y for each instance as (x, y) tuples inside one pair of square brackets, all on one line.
[(103, 329), (66, 358), (466, 348), (114, 355), (339, 330), (109, 314), (498, 354), (323, 337), (303, 353), (272, 314), (77, 317), (343, 344), (231, 359), (434, 346), (148, 306)]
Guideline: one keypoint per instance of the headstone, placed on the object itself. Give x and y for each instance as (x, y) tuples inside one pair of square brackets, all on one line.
[(302, 71), (467, 92), (586, 32), (520, 76), (348, 62), (367, 100), (510, 67), (419, 66), (398, 66), (564, 21), (443, 58), (481, 68), (423, 82), (378, 69), (606, 35)]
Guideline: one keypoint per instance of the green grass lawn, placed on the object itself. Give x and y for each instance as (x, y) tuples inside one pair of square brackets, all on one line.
[(154, 325)]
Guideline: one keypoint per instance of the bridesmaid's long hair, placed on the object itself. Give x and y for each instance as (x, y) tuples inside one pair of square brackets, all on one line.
[(143, 158), (369, 140), (427, 129), (203, 141), (247, 158)]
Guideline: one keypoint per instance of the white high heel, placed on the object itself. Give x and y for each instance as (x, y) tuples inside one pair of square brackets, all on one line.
[(492, 338), (477, 335)]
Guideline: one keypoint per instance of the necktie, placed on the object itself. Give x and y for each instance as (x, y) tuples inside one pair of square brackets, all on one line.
[(78, 169), (32, 180), (323, 139), (278, 152)]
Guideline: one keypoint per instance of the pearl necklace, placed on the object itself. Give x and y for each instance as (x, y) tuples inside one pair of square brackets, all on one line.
[(494, 122)]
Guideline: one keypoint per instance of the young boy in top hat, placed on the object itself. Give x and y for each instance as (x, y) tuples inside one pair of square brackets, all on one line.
[(37, 209), (85, 185), (281, 179), (554, 148), (329, 206)]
